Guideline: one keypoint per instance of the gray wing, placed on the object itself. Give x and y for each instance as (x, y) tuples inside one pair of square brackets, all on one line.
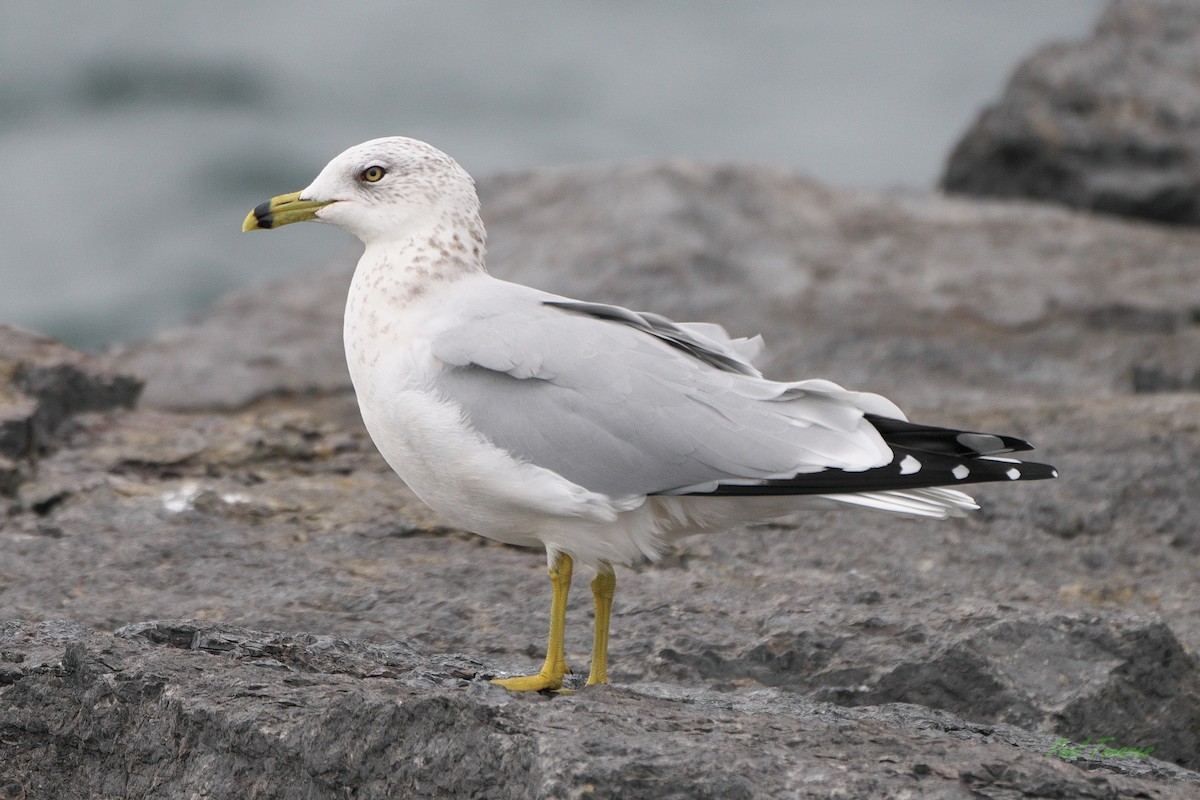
[(628, 404)]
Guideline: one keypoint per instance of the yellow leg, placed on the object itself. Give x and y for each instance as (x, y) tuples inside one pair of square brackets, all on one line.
[(602, 590), (552, 672)]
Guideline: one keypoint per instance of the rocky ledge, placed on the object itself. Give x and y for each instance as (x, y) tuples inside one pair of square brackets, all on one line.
[(186, 709)]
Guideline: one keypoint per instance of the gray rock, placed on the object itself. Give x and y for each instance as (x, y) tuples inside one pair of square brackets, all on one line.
[(192, 709), (236, 354), (1110, 124), (42, 385)]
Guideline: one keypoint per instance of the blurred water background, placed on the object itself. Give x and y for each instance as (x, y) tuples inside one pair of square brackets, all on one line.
[(135, 136)]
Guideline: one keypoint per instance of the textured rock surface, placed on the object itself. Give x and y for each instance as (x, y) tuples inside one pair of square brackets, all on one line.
[(762, 662), (42, 385), (174, 709), (1110, 124)]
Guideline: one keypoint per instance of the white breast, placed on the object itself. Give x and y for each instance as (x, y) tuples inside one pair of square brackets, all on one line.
[(424, 436)]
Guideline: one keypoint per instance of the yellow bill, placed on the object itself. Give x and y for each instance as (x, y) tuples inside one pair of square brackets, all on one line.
[(282, 210)]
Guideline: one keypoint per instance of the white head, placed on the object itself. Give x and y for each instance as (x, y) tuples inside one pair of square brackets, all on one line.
[(391, 188)]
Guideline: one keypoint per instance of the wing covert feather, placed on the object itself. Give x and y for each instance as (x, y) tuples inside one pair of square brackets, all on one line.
[(616, 409)]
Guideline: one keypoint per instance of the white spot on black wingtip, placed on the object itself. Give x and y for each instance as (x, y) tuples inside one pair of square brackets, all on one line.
[(960, 472), (1013, 474), (909, 465), (1053, 473)]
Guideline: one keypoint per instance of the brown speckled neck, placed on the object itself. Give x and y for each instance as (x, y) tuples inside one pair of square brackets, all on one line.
[(446, 251)]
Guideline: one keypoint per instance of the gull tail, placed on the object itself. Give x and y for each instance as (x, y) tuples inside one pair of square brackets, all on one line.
[(927, 461)]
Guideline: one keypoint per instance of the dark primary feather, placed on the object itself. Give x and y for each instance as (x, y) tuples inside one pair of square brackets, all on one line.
[(664, 329), (946, 457), (947, 441)]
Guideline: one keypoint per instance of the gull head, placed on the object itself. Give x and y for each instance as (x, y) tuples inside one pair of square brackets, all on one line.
[(390, 188)]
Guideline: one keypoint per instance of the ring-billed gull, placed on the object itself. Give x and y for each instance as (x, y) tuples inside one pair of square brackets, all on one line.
[(596, 432)]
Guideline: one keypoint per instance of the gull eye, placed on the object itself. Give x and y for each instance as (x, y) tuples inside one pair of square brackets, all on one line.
[(372, 174)]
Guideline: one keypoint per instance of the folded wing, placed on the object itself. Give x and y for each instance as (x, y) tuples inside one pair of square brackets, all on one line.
[(629, 404)]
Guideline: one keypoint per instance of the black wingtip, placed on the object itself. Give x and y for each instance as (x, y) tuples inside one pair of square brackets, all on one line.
[(910, 469), (946, 441)]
